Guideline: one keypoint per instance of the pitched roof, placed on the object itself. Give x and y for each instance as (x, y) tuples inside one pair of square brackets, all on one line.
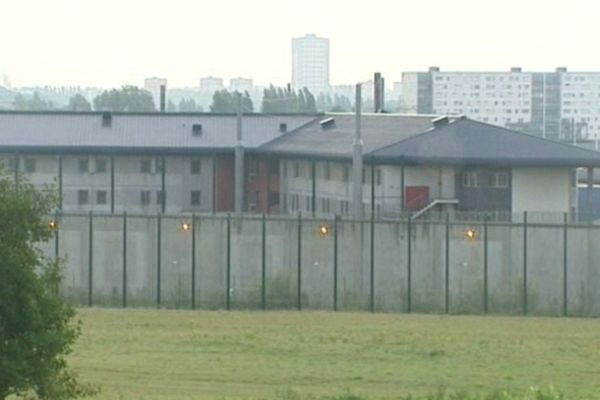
[(336, 138), (142, 131), (469, 142)]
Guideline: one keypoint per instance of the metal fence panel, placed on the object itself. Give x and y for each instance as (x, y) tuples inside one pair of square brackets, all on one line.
[(353, 265), (391, 272), (428, 267), (281, 264), (142, 265), (107, 271)]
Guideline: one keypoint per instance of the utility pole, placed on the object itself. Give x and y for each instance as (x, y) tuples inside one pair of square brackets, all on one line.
[(357, 160), (239, 160)]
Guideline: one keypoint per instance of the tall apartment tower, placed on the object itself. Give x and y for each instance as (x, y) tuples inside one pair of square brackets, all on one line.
[(558, 105), (310, 63), (153, 86)]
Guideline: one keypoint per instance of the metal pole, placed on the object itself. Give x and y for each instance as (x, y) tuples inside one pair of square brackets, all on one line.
[(372, 185), (239, 160), (90, 258), (214, 183), (163, 184), (193, 261), (124, 259), (263, 285), (485, 265), (447, 260), (299, 285), (402, 200), (409, 257), (357, 160), (525, 305), (112, 184), (372, 275), (565, 265), (313, 199), (335, 262), (60, 182), (228, 277), (56, 236), (158, 257)]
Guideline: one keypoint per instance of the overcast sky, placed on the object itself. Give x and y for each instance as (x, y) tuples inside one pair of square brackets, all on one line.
[(114, 42)]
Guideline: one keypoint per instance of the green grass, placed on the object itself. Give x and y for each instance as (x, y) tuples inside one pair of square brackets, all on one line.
[(166, 354)]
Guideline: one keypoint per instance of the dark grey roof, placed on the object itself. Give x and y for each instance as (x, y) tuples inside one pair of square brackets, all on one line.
[(336, 139), (469, 142), (150, 131)]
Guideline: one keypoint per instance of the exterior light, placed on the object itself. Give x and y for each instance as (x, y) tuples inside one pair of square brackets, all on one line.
[(470, 234), (52, 225), (186, 226), (324, 230)]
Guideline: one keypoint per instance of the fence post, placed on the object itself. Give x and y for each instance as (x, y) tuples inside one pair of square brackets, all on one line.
[(372, 255), (124, 259), (90, 258), (565, 265), (56, 235), (193, 261), (158, 257), (525, 305), (447, 261), (335, 262), (409, 272), (263, 285), (228, 283), (299, 285), (485, 265)]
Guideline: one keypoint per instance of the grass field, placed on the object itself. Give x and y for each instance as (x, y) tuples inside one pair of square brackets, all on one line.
[(160, 354)]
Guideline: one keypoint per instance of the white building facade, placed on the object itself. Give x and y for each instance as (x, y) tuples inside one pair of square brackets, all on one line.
[(559, 105), (310, 63)]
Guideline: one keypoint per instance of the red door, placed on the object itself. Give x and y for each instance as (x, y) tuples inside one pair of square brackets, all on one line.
[(416, 197)]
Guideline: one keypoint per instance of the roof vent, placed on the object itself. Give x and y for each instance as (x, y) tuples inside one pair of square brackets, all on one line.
[(197, 130), (283, 127), (516, 69), (327, 123), (439, 121), (434, 69), (106, 119), (561, 69)]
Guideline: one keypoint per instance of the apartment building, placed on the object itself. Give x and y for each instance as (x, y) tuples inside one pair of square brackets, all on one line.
[(310, 63), (558, 105)]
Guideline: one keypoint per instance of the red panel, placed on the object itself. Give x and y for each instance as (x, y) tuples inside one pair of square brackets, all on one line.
[(416, 197), (225, 183)]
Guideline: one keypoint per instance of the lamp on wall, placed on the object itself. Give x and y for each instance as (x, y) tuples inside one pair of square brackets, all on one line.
[(186, 226), (470, 234), (324, 230), (53, 225)]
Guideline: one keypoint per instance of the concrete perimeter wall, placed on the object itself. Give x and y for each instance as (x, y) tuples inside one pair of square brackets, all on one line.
[(407, 267)]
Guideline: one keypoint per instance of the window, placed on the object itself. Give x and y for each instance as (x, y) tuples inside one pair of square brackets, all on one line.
[(84, 166), (470, 179), (146, 166), (160, 197), (273, 199), (327, 171), (252, 201), (296, 169), (196, 167), (196, 198), (378, 177), (273, 167), (197, 130), (308, 203), (346, 175), (325, 203), (101, 165), (252, 168), (344, 207), (499, 180), (83, 197), (30, 165), (101, 197), (145, 197)]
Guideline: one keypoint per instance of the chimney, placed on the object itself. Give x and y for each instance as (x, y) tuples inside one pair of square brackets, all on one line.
[(163, 98), (377, 92)]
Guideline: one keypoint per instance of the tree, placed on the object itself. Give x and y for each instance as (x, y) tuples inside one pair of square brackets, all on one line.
[(36, 327), (35, 103), (187, 105), (226, 102), (79, 103), (284, 101), (171, 107), (128, 98)]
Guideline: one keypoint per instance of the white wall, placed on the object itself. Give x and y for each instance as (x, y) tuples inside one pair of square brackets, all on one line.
[(541, 189)]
